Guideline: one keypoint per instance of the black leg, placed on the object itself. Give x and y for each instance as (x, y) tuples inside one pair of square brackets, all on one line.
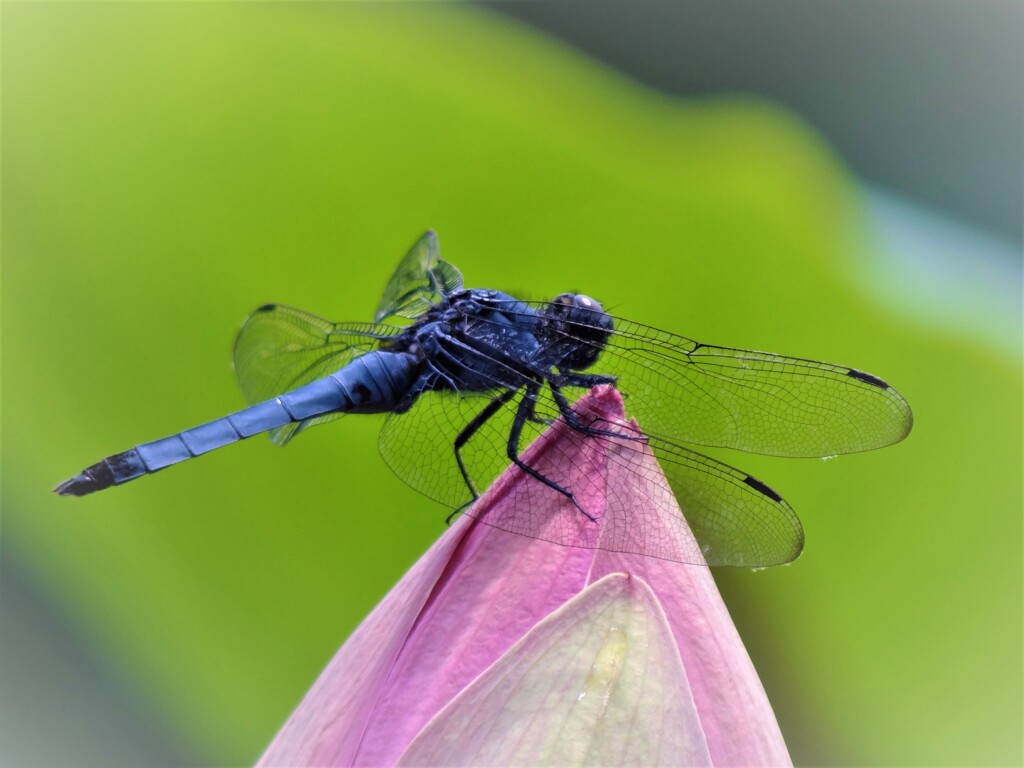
[(585, 380), (574, 421), (458, 510), (470, 429), (523, 413)]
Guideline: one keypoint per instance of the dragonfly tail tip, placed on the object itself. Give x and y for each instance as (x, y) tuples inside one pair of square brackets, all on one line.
[(87, 481)]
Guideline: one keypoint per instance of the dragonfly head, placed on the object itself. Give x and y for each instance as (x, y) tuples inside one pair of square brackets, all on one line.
[(575, 328)]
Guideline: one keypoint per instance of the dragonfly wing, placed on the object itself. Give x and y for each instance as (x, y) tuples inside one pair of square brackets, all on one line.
[(419, 445), (728, 517), (752, 401), (421, 280), (736, 519), (280, 348)]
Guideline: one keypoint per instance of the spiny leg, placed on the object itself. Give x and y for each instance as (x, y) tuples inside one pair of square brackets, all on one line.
[(523, 413), (585, 380), (464, 436), (571, 418)]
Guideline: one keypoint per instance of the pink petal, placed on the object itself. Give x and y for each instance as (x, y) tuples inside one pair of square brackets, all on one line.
[(497, 587), (737, 717), (738, 720), (326, 727), (470, 597), (625, 521), (597, 682), (479, 589)]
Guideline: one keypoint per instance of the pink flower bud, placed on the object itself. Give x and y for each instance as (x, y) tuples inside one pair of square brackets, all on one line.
[(502, 649)]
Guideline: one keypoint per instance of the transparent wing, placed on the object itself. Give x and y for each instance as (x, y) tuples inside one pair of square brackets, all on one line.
[(733, 519), (728, 517), (752, 401), (280, 348), (758, 402), (421, 280), (419, 445)]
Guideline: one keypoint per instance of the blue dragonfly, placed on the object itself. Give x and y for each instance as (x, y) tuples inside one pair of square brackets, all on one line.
[(469, 377)]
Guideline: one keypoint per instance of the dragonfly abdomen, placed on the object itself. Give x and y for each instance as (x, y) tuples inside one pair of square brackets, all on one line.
[(373, 383)]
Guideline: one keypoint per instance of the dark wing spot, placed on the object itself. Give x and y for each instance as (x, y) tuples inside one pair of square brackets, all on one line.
[(760, 487), (267, 308), (867, 378)]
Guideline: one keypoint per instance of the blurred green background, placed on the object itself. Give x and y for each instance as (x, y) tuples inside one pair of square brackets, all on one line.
[(169, 167)]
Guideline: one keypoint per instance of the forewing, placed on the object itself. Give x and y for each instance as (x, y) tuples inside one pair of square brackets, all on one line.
[(752, 401), (421, 280), (280, 348)]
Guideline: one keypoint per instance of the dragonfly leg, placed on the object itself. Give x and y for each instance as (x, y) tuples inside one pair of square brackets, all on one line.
[(469, 430), (586, 380), (523, 414), (573, 420), (459, 510)]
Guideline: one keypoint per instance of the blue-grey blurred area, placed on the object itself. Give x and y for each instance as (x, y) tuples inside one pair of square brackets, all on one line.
[(59, 705), (923, 98)]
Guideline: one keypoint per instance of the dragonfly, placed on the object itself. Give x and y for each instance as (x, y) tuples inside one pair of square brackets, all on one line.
[(470, 377)]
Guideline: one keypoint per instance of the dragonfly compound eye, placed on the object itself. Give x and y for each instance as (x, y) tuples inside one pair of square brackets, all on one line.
[(576, 327)]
